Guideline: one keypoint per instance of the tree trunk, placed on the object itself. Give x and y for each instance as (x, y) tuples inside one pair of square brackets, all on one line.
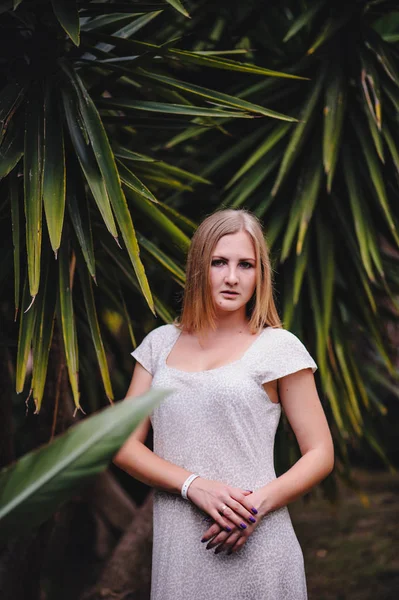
[(127, 575)]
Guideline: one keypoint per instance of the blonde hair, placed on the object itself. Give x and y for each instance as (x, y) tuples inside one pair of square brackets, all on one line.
[(198, 309)]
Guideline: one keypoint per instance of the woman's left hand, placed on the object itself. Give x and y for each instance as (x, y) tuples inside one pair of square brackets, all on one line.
[(231, 542)]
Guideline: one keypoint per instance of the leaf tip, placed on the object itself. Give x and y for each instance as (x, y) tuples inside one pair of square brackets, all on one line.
[(30, 305)]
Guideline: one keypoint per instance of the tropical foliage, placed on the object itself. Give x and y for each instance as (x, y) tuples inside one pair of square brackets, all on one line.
[(116, 132), (325, 187), (80, 103), (34, 487), (121, 125)]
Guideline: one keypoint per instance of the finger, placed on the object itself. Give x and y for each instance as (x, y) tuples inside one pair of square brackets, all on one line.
[(245, 492), (218, 539), (239, 544), (229, 519), (244, 501), (211, 532), (229, 543), (241, 510)]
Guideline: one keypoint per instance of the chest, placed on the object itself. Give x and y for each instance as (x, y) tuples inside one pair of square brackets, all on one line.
[(192, 354)]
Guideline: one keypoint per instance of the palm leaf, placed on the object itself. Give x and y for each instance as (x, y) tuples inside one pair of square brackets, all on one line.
[(300, 133), (91, 313), (80, 218), (15, 219), (67, 13), (87, 161), (33, 169), (43, 333), (178, 6), (26, 327), (217, 97), (106, 163), (67, 319), (53, 170), (34, 487)]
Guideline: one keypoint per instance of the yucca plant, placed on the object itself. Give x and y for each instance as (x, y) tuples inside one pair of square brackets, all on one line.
[(83, 106), (326, 187)]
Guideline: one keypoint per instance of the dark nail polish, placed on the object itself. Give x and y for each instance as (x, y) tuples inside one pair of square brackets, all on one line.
[(228, 529), (229, 552), (208, 547), (203, 540), (252, 520), (217, 551), (253, 510), (243, 526), (250, 491)]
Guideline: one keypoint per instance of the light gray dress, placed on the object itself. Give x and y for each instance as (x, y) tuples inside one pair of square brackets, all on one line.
[(221, 425)]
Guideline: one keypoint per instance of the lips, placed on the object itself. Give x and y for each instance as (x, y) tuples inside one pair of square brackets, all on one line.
[(229, 292)]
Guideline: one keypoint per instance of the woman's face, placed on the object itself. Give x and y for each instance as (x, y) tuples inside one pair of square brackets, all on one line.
[(233, 272)]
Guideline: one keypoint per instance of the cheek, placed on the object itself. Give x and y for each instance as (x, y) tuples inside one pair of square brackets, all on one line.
[(251, 281), (213, 278)]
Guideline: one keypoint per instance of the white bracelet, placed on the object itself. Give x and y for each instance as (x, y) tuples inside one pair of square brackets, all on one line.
[(186, 485)]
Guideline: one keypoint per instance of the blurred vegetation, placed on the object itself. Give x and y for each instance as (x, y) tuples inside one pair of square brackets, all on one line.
[(124, 123)]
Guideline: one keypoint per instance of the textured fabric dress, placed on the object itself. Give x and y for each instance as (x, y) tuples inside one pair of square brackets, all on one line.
[(221, 424)]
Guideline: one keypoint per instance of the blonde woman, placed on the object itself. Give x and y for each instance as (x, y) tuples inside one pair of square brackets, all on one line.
[(232, 368)]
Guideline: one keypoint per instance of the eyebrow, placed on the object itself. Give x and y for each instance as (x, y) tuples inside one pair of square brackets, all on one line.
[(240, 259)]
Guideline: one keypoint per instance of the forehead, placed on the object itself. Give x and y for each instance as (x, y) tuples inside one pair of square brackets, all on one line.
[(238, 244)]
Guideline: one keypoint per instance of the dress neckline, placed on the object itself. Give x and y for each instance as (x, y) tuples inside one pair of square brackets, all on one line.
[(229, 364)]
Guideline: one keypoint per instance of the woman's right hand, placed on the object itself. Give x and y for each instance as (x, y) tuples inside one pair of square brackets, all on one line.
[(228, 506)]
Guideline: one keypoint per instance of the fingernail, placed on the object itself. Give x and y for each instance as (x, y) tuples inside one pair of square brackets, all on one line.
[(208, 547), (229, 552), (250, 491), (217, 551), (243, 526), (203, 540), (228, 529), (253, 510), (252, 520)]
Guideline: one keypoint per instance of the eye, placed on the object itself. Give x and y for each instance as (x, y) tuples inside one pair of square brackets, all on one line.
[(246, 265), (217, 262)]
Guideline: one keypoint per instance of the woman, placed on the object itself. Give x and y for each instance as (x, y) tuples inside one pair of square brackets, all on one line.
[(231, 367)]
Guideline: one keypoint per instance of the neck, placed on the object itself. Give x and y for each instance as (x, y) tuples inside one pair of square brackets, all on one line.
[(231, 321)]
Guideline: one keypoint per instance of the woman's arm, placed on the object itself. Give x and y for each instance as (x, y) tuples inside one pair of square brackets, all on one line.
[(301, 404), (138, 460), (143, 464)]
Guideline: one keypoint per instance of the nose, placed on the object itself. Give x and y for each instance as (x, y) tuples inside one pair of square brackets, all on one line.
[(231, 276)]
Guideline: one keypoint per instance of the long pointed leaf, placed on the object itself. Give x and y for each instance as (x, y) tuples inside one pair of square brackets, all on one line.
[(26, 326), (178, 6), (33, 179), (80, 216), (229, 65), (334, 110), (67, 316), (91, 314), (67, 13), (160, 221), (300, 132), (43, 333), (88, 163), (11, 150), (53, 170), (271, 140), (304, 19), (168, 108), (15, 219), (218, 97), (106, 163), (376, 176), (33, 488)]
